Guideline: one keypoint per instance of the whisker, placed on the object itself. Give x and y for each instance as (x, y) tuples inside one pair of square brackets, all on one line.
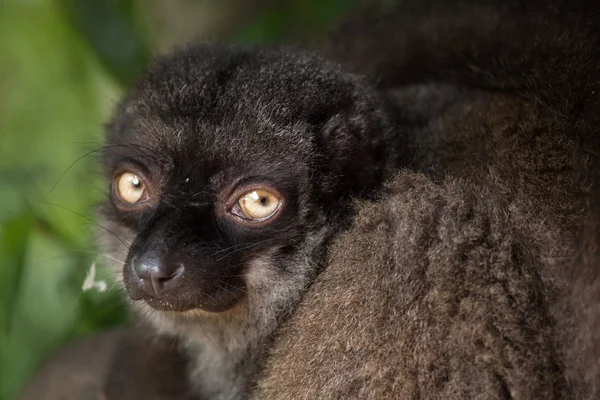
[(229, 291), (224, 276), (90, 220), (70, 167), (148, 152), (99, 254), (238, 246), (228, 248), (245, 248), (204, 192)]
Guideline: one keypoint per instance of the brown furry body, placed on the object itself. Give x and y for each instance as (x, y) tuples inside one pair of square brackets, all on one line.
[(434, 293), (486, 284)]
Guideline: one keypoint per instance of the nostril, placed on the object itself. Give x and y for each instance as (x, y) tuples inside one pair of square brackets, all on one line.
[(172, 281), (155, 277), (174, 275)]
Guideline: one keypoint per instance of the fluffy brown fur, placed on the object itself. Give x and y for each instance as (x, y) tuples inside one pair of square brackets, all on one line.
[(433, 293), (504, 96)]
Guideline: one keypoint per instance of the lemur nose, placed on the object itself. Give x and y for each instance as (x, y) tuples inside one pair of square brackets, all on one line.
[(157, 278)]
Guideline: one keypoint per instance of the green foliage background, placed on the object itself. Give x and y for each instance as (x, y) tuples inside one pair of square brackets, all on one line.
[(63, 66)]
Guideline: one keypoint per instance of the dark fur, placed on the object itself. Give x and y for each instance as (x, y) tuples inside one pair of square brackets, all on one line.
[(506, 96), (124, 364)]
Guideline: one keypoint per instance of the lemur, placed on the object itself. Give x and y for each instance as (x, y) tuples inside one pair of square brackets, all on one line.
[(233, 176)]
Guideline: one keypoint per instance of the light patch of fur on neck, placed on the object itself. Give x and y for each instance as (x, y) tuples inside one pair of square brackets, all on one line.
[(223, 365)]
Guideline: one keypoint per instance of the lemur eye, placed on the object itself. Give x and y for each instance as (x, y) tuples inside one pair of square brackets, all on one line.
[(257, 205), (130, 188)]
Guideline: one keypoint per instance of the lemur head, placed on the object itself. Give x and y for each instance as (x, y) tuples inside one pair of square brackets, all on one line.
[(228, 167)]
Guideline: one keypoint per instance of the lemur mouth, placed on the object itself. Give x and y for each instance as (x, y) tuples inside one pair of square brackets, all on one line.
[(221, 298), (166, 305)]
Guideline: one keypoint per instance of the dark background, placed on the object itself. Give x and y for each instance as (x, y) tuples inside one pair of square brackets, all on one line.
[(63, 66)]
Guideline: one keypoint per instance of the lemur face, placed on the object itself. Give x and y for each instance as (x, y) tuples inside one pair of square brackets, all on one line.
[(222, 161)]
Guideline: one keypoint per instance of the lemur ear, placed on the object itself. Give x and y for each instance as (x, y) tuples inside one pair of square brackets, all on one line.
[(357, 146)]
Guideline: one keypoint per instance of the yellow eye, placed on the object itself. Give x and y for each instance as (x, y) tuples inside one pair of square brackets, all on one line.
[(129, 188), (258, 205)]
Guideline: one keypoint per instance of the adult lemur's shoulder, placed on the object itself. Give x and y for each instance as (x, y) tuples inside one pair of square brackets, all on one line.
[(433, 294), (488, 285)]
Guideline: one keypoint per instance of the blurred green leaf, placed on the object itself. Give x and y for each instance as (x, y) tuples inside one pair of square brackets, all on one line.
[(266, 28), (54, 97), (110, 28), (14, 238), (294, 19)]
